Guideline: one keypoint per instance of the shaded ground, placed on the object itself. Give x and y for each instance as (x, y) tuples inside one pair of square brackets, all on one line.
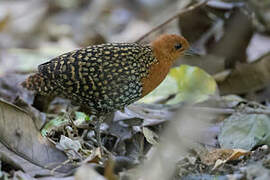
[(207, 123)]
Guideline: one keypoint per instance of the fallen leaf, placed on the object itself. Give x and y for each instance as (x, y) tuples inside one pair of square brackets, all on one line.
[(54, 124), (218, 157), (188, 83), (18, 132), (20, 163), (237, 153), (109, 170), (210, 158), (238, 27), (150, 136), (70, 147), (18, 175), (94, 157), (88, 173), (258, 46), (247, 77), (81, 117), (194, 84), (4, 21), (245, 131)]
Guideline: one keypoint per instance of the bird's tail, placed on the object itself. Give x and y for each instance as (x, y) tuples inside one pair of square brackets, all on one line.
[(38, 84)]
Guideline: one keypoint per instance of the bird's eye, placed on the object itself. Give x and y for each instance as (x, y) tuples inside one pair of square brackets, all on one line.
[(178, 46)]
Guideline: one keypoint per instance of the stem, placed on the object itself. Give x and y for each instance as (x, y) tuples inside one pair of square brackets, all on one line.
[(171, 19)]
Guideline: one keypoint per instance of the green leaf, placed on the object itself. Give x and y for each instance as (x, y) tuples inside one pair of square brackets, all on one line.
[(81, 118), (55, 123), (245, 131), (187, 82)]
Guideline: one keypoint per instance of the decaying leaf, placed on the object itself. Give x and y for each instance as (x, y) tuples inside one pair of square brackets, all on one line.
[(70, 147), (54, 124), (245, 131), (4, 21), (18, 132), (19, 163), (88, 172), (236, 154), (94, 157), (150, 136), (218, 157), (109, 170), (258, 47), (247, 77)]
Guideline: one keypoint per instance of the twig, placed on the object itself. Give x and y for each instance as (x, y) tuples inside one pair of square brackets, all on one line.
[(230, 110), (213, 110), (60, 165), (172, 108), (172, 18)]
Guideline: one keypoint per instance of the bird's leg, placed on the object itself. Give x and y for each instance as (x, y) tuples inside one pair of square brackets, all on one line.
[(97, 131), (98, 121)]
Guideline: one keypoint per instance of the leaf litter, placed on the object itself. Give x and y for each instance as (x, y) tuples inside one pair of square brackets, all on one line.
[(232, 144)]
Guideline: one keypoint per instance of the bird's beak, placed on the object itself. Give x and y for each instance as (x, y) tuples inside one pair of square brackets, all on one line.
[(191, 52)]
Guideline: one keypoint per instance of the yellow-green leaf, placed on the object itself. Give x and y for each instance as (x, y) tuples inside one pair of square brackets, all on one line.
[(187, 82)]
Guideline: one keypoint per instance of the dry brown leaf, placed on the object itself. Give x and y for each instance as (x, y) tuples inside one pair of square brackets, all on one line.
[(150, 136), (247, 77), (222, 156), (211, 157), (94, 157), (239, 28), (12, 159), (4, 22), (109, 170), (18, 132), (237, 153)]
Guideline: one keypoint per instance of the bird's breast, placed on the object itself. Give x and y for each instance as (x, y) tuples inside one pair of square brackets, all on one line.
[(156, 75)]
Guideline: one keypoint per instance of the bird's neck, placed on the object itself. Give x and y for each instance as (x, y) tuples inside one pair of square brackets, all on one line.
[(157, 73)]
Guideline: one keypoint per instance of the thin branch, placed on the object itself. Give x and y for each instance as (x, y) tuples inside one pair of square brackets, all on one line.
[(213, 110), (230, 110), (150, 110), (172, 18)]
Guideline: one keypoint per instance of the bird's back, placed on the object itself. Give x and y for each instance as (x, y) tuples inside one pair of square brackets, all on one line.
[(102, 77)]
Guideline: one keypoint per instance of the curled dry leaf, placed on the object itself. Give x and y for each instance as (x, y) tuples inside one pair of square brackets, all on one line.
[(218, 157), (237, 153), (18, 133), (71, 147), (150, 136)]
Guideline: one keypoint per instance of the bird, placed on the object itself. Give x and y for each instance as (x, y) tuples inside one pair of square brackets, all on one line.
[(108, 77)]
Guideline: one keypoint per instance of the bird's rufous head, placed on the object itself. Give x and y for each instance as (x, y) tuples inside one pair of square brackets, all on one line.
[(169, 47)]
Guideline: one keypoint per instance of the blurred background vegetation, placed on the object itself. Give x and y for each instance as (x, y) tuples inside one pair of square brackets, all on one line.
[(226, 32), (233, 38)]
